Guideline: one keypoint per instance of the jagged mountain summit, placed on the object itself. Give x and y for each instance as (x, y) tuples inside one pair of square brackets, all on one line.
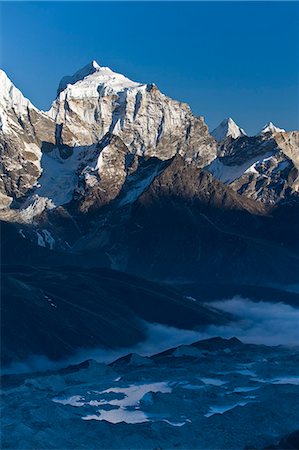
[(97, 101), (97, 129), (103, 74), (271, 128), (227, 128)]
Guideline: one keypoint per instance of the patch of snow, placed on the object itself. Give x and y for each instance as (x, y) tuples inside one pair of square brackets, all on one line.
[(188, 297), (246, 372), (35, 206), (50, 301), (119, 415), (127, 407), (75, 400), (244, 389), (228, 174), (252, 169), (22, 233), (35, 152), (134, 393), (49, 239), (138, 188), (174, 424), (40, 240), (286, 380)]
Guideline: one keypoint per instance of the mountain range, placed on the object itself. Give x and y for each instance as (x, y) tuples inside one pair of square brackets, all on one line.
[(118, 175)]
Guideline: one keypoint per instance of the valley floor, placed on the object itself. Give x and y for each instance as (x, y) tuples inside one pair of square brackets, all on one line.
[(217, 393)]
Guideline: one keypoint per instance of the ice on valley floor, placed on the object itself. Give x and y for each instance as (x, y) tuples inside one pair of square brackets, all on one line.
[(75, 400), (192, 387), (175, 424), (213, 381), (126, 408), (119, 415), (222, 409), (286, 380), (248, 372), (245, 389), (134, 393), (281, 380)]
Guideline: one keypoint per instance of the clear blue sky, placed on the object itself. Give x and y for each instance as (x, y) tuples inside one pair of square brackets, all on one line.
[(238, 59)]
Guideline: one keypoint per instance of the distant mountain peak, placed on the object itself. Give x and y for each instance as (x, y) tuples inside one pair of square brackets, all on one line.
[(227, 127), (271, 128)]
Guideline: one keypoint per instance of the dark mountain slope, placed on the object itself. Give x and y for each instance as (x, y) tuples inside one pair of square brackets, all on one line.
[(188, 225), (57, 311)]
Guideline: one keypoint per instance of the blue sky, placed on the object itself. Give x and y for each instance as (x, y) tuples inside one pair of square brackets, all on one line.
[(237, 59)]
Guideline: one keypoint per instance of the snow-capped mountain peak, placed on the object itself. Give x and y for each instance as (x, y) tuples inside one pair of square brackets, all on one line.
[(92, 76), (227, 128), (271, 128)]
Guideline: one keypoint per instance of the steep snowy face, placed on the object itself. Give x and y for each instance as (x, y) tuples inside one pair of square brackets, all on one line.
[(96, 101), (271, 128), (227, 128)]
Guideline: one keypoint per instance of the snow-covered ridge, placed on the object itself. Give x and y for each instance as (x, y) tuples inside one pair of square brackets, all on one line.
[(11, 98), (227, 128)]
